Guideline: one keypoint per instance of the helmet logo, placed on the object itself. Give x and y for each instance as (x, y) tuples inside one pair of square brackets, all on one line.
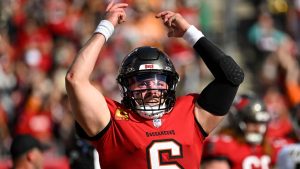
[(149, 66)]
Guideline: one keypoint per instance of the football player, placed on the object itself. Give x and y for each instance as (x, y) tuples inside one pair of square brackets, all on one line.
[(150, 128), (242, 143)]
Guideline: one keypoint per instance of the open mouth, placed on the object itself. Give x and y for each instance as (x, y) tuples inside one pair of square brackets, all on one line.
[(152, 103), (153, 100)]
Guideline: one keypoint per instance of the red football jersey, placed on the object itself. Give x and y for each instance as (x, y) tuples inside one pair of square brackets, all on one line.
[(241, 154), (130, 141)]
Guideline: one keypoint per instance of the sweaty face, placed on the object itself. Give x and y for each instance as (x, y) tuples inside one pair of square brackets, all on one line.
[(148, 89)]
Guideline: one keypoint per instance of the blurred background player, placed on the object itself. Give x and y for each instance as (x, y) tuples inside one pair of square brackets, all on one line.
[(242, 142)]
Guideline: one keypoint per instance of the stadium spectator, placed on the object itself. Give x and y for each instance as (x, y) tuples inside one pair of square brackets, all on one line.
[(27, 152), (265, 39), (216, 163)]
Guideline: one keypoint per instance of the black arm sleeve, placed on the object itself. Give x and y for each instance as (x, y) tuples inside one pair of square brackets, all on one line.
[(218, 96)]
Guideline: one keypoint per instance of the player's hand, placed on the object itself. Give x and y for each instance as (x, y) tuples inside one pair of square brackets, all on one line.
[(115, 12), (175, 23)]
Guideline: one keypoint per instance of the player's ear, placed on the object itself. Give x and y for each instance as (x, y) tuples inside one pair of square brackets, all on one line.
[(30, 155)]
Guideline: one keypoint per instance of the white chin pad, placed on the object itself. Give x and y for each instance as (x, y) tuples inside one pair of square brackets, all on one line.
[(254, 138)]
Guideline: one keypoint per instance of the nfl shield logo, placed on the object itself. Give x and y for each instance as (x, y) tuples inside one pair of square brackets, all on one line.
[(156, 123)]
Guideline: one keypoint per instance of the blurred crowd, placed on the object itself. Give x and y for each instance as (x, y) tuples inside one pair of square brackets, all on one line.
[(39, 38)]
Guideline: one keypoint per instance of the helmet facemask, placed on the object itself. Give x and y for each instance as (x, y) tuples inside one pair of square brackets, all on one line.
[(150, 94)]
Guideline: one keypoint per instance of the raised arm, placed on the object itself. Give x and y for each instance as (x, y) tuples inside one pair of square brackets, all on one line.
[(217, 97), (88, 104)]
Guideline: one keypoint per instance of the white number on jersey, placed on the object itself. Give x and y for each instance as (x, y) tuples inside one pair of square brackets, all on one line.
[(155, 150), (253, 161)]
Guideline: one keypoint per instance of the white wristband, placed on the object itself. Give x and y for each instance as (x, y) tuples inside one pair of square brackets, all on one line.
[(192, 35), (106, 28)]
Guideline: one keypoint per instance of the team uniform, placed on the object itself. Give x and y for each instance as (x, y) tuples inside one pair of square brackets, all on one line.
[(241, 154), (151, 143)]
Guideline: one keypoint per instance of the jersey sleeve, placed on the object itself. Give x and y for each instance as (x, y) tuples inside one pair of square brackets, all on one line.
[(81, 133)]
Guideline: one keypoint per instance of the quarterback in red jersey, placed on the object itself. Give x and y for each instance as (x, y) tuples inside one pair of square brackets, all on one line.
[(243, 143), (150, 128)]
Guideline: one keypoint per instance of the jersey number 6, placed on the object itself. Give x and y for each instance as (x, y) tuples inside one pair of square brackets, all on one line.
[(156, 150)]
